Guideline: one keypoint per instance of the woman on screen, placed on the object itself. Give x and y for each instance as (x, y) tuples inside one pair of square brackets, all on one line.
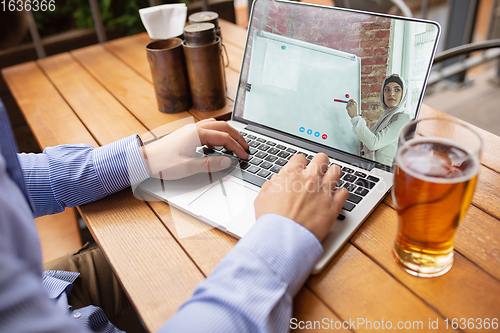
[(379, 143)]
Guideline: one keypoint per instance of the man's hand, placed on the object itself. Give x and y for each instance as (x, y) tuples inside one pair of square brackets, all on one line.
[(305, 195), (174, 155)]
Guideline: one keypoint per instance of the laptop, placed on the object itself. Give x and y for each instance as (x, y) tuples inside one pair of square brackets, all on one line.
[(302, 64)]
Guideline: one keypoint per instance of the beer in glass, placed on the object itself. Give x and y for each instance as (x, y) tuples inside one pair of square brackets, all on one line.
[(435, 173)]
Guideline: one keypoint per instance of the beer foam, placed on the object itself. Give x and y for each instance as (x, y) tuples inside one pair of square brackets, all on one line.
[(438, 168)]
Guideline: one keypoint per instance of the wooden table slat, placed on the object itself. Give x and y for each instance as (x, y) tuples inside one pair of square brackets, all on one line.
[(102, 114), (45, 111), (233, 34), (307, 307), (344, 284), (478, 239), (235, 57), (454, 295), (232, 79), (487, 193), (132, 51), (128, 87)]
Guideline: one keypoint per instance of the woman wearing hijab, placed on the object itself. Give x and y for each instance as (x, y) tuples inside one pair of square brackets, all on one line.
[(379, 143)]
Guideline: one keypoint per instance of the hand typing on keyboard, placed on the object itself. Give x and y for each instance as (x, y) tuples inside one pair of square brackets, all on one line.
[(174, 155), (305, 195)]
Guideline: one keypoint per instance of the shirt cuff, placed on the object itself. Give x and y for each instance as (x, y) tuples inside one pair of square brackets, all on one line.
[(120, 164), (36, 175), (286, 246), (58, 285)]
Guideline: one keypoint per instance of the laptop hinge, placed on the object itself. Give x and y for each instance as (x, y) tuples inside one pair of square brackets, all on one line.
[(335, 154)]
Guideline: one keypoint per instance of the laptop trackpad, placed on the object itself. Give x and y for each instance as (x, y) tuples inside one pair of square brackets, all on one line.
[(228, 204)]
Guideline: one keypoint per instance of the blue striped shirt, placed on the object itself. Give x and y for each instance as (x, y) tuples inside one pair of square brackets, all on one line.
[(251, 290), (72, 175), (38, 184)]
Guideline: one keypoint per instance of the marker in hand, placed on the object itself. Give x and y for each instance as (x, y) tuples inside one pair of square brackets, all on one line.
[(340, 101)]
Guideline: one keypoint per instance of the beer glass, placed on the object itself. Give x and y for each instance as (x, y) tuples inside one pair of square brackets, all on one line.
[(435, 173)]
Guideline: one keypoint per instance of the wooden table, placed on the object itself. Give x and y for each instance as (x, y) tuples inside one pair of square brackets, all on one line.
[(103, 93)]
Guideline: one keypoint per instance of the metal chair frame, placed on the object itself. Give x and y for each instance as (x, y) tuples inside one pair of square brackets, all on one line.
[(96, 15), (491, 48)]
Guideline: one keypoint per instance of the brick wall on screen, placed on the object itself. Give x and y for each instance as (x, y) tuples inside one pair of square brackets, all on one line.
[(366, 36), (375, 45)]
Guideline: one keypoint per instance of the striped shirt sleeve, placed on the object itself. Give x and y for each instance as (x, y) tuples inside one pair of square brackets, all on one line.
[(252, 288), (72, 175)]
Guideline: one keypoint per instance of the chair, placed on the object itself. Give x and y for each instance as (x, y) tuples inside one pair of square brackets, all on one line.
[(491, 48), (378, 6), (99, 27)]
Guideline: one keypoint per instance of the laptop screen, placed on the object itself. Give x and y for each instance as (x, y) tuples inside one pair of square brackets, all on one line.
[(342, 79)]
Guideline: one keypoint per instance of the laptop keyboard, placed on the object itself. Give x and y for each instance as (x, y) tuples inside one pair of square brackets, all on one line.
[(266, 158)]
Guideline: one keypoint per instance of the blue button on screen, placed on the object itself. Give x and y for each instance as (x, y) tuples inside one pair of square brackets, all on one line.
[(302, 129), (316, 134), (309, 131)]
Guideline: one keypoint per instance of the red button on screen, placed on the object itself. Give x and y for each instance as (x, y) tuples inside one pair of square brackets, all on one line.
[(346, 95), (324, 136)]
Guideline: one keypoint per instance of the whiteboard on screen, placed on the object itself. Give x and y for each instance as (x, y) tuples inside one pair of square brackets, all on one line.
[(292, 86)]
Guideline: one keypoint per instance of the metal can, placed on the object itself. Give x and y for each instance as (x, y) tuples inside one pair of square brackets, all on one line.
[(202, 49), (170, 79), (206, 17)]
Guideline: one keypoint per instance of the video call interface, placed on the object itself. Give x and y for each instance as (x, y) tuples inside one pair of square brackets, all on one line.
[(303, 64)]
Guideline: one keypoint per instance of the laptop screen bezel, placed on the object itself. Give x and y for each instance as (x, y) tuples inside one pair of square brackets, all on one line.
[(336, 153)]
